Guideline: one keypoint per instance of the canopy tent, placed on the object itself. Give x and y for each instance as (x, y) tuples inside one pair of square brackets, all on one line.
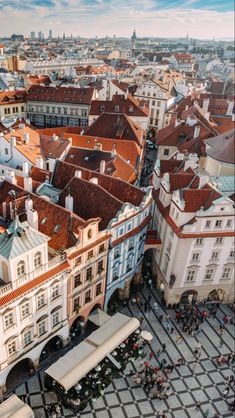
[(13, 407), (74, 365), (99, 317)]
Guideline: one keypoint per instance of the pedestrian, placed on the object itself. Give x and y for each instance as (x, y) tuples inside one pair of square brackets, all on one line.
[(151, 355), (163, 347), (172, 330), (178, 339), (221, 343), (225, 392), (198, 406), (149, 298), (145, 306), (160, 317), (141, 320), (194, 365)]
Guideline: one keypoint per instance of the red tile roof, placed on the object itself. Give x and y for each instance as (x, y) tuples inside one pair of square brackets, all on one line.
[(9, 297), (71, 95), (11, 97), (128, 106), (116, 126)]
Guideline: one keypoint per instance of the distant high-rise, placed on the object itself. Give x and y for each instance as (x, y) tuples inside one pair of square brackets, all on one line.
[(50, 34), (133, 40), (32, 35), (40, 35)]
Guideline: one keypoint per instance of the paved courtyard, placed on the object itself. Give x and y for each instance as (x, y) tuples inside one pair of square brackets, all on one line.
[(124, 399)]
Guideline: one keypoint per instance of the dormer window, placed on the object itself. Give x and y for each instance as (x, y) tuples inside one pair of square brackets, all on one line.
[(102, 108), (89, 234), (116, 108), (131, 109), (20, 268)]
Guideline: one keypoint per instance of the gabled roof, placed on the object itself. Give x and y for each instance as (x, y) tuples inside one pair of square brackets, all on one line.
[(30, 150), (20, 238), (116, 126), (195, 199), (16, 96), (53, 148), (130, 106), (70, 95)]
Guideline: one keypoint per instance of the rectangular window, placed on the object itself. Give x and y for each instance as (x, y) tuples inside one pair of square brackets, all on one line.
[(77, 280), (25, 310), (55, 318), (8, 320), (42, 327), (232, 254), (22, 108), (6, 151), (166, 151), (195, 257), (55, 292), (219, 241), (11, 348), (76, 303), (209, 274), (191, 276), (100, 267), (88, 296), (131, 245), (199, 241), (115, 275), (90, 255), (27, 337), (218, 223), (41, 301), (208, 224), (116, 253), (101, 248), (214, 255), (227, 273), (229, 223), (98, 289), (78, 261), (89, 273)]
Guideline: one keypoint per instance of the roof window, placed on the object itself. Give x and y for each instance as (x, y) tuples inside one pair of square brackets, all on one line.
[(102, 108), (116, 108), (57, 228), (43, 221)]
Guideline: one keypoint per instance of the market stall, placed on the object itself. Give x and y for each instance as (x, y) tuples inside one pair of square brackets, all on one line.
[(85, 371), (13, 407)]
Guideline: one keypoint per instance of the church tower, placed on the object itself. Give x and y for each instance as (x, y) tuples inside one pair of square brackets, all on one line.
[(133, 40)]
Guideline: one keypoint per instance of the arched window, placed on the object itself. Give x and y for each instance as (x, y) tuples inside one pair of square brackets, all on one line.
[(37, 259), (21, 268), (89, 234)]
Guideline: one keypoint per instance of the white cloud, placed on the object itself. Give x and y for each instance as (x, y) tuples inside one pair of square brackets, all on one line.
[(118, 18)]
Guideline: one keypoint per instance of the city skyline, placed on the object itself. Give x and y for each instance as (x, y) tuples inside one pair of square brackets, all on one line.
[(90, 18)]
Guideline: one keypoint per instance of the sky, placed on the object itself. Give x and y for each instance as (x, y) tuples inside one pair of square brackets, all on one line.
[(90, 18)]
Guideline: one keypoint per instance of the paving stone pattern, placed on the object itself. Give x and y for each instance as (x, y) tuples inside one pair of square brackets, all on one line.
[(190, 383)]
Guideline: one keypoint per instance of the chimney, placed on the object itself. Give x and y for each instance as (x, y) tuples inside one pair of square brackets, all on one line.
[(191, 121), (69, 202), (230, 108), (13, 141), (26, 137), (196, 131), (54, 137), (78, 174), (10, 176), (28, 204), (32, 218), (25, 168), (98, 146), (11, 210), (39, 162), (177, 122), (102, 167), (94, 180), (28, 184), (203, 180), (4, 210), (205, 104)]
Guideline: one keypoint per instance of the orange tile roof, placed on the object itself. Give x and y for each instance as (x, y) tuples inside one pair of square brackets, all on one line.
[(9, 297), (31, 150), (12, 97)]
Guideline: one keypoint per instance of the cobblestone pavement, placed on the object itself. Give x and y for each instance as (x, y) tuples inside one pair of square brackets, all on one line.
[(124, 399)]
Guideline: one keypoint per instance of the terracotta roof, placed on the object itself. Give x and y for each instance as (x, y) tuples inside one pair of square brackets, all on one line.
[(40, 175), (128, 106), (53, 148), (129, 150), (222, 87), (60, 131), (38, 79), (70, 95), (196, 199), (222, 147), (32, 150), (182, 180), (16, 96), (170, 166), (183, 57), (116, 126), (123, 191), (121, 85), (91, 201), (9, 297), (223, 123), (54, 221)]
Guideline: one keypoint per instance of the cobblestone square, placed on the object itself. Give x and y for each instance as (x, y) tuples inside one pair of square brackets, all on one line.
[(189, 384)]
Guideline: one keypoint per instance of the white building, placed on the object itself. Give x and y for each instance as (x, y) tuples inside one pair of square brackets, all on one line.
[(196, 226), (33, 293), (60, 66)]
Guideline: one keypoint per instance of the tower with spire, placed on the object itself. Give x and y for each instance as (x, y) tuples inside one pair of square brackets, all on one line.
[(133, 40)]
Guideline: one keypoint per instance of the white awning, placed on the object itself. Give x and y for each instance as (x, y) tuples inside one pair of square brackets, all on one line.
[(13, 407), (99, 317), (74, 365)]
